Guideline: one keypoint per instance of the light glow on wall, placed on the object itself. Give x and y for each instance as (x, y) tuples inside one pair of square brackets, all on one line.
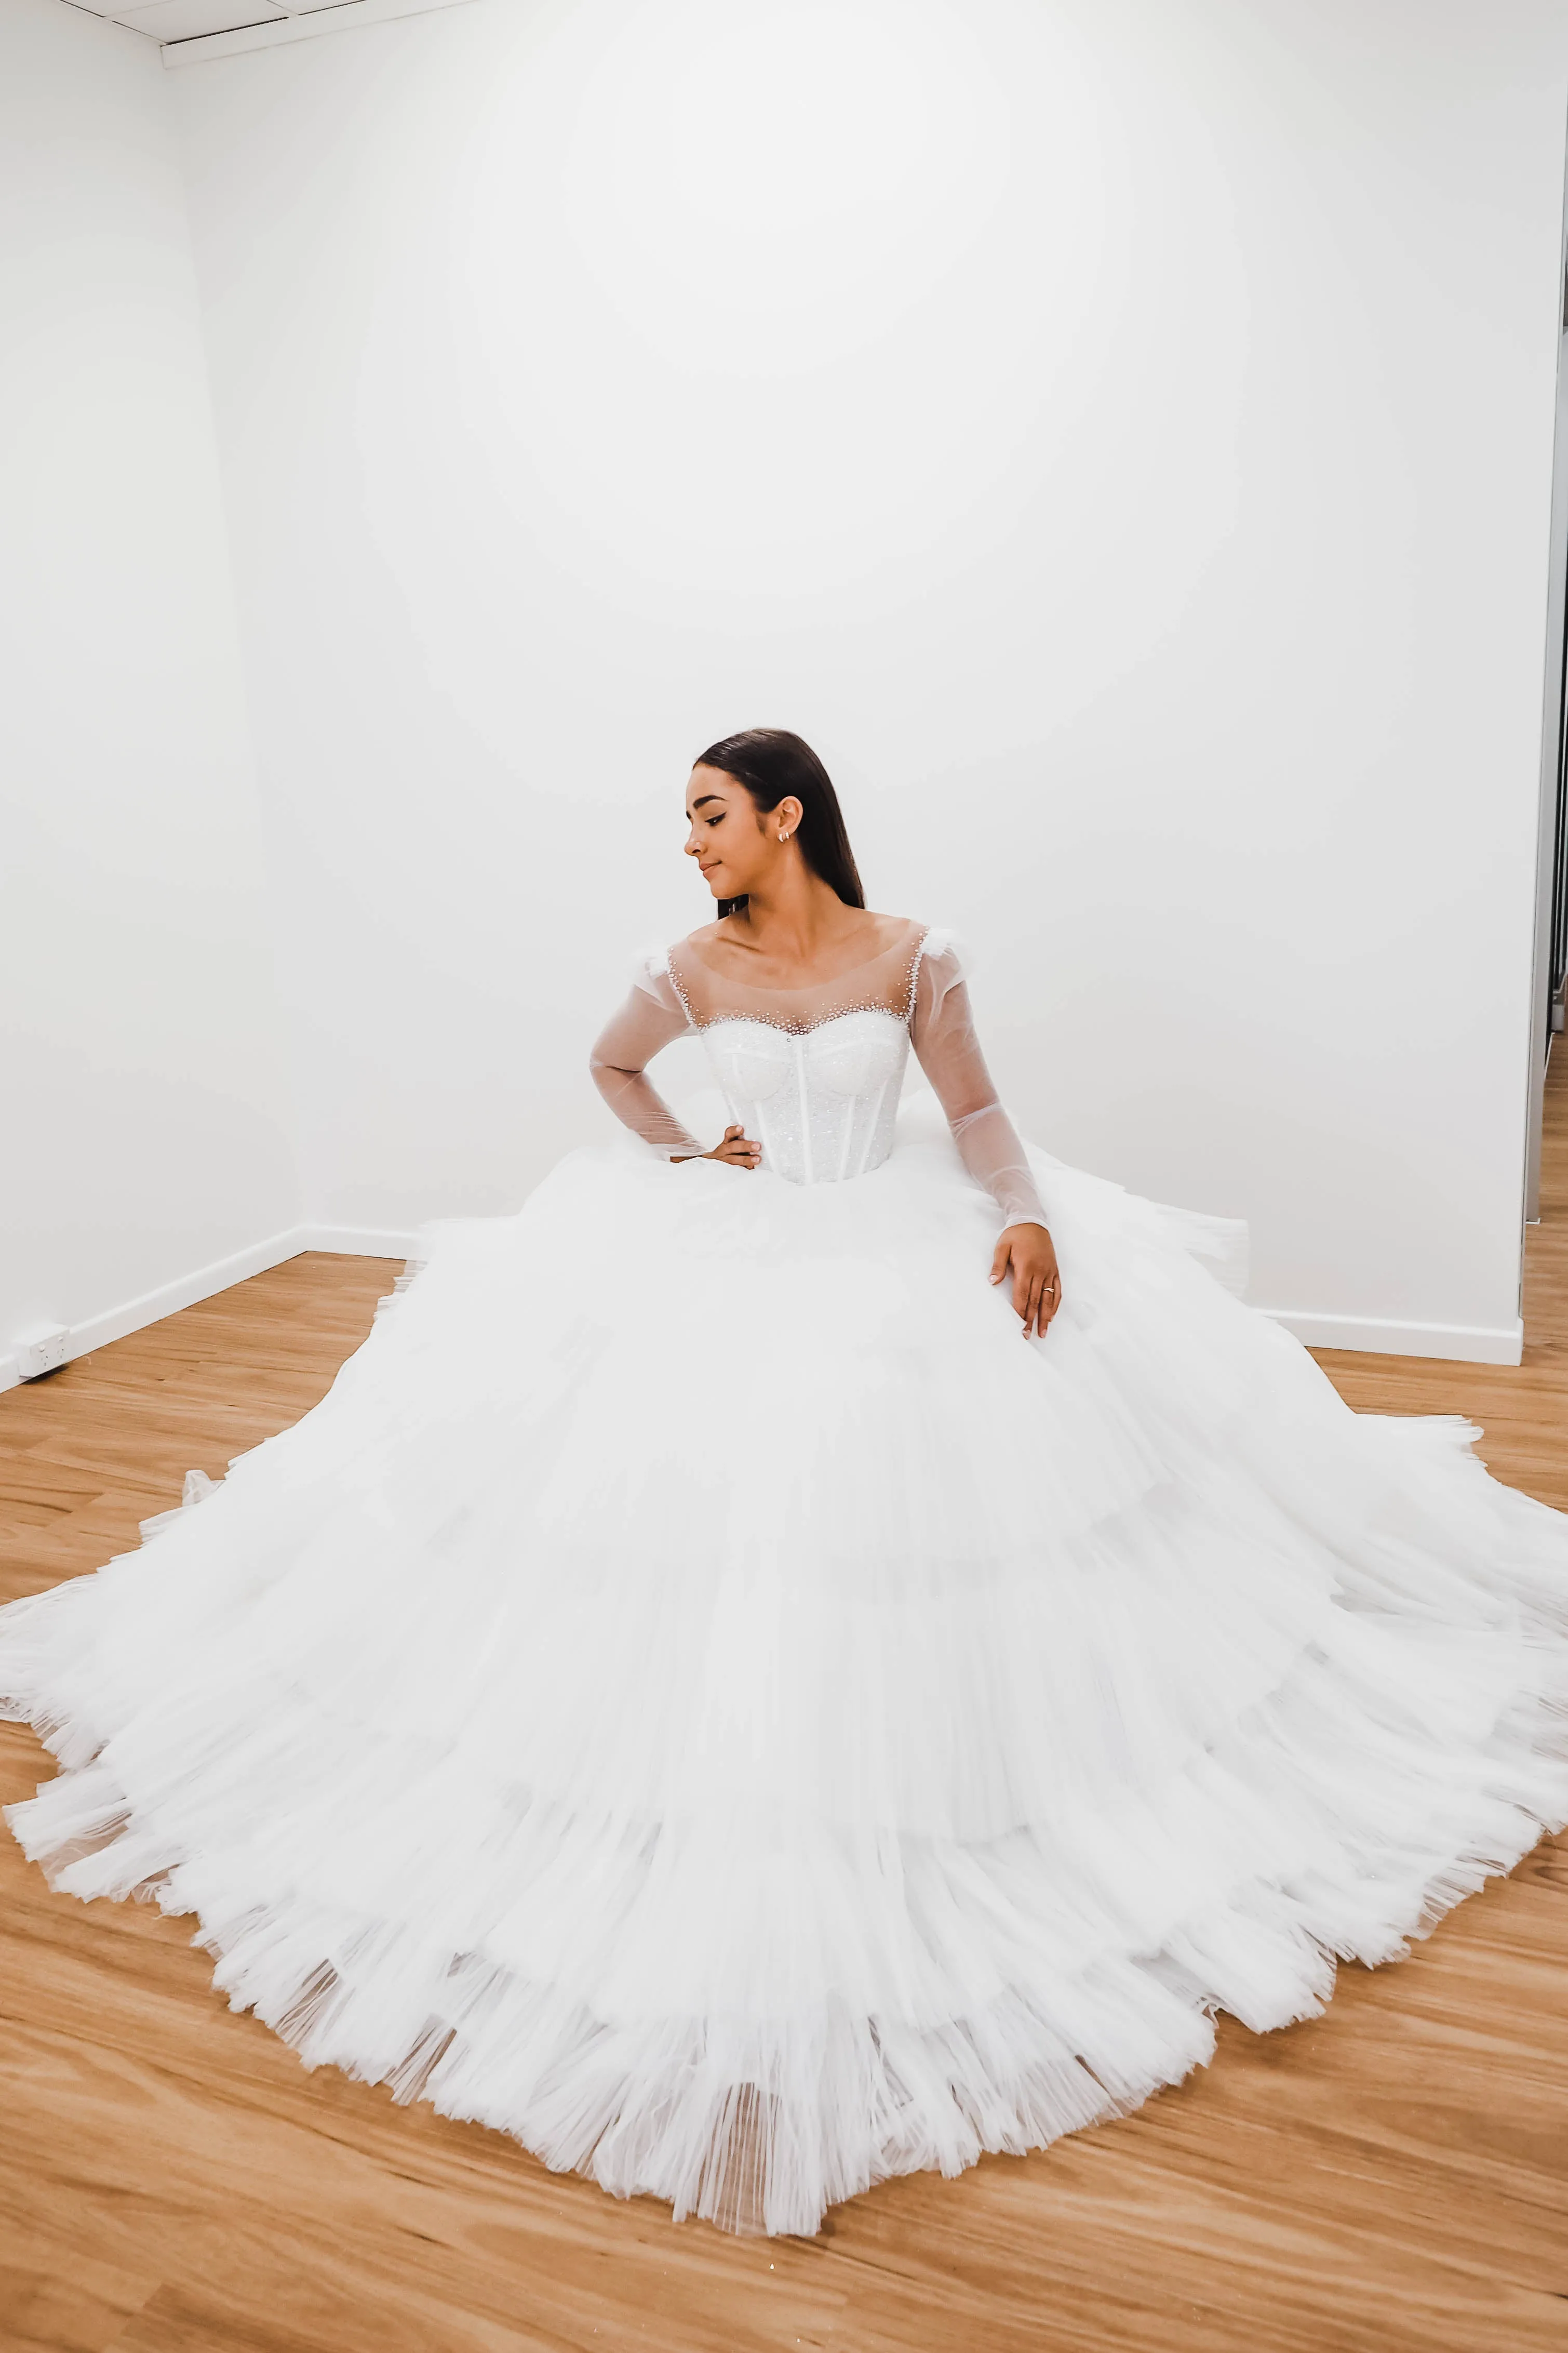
[(833, 247)]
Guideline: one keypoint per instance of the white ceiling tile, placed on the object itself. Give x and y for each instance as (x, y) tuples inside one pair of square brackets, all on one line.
[(186, 20), (190, 30)]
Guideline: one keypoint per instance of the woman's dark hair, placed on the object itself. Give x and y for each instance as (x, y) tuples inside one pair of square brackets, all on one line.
[(773, 763)]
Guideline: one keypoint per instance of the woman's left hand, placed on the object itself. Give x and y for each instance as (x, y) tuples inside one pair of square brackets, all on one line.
[(1037, 1279)]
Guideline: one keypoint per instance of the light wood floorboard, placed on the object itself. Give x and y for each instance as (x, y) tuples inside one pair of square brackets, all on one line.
[(1391, 2178)]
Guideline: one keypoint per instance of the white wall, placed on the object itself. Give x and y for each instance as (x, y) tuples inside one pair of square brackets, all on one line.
[(143, 1111), (1117, 432)]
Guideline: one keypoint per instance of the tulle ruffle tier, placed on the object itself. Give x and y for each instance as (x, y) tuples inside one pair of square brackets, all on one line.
[(703, 1696)]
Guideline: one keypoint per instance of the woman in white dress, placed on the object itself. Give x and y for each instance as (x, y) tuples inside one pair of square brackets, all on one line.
[(700, 1696)]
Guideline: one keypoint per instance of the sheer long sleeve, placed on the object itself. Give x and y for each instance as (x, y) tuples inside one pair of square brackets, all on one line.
[(651, 1019), (942, 1030)]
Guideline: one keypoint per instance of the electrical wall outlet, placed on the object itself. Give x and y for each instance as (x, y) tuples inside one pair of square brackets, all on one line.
[(40, 1349)]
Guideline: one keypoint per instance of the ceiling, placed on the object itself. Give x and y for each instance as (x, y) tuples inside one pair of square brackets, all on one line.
[(190, 26)]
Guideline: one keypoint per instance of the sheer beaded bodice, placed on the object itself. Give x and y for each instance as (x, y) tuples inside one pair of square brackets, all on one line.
[(815, 1075)]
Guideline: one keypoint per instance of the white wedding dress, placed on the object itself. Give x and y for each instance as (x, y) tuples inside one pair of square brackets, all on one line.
[(704, 1695)]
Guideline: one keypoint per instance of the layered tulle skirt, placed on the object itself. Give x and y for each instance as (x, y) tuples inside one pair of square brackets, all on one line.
[(704, 1695)]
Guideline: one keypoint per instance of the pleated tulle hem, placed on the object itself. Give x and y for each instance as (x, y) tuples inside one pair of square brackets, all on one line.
[(759, 2124), (754, 2129)]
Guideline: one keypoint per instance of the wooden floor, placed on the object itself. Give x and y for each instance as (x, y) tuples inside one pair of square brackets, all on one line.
[(1392, 2177)]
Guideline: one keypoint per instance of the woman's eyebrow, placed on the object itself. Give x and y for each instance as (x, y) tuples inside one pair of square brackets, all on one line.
[(704, 799)]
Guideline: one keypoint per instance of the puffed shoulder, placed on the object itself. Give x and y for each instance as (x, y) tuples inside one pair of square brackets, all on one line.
[(651, 978), (941, 944)]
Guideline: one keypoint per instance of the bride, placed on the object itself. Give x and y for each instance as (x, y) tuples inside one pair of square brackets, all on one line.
[(700, 1696)]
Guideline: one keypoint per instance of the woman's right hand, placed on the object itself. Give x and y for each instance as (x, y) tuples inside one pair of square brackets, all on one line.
[(734, 1148)]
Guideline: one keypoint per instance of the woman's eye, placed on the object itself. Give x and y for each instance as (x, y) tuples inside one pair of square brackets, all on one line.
[(715, 820)]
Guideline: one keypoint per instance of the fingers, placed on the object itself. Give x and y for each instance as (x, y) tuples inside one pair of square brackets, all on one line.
[(1036, 1297), (1037, 1278), (736, 1149)]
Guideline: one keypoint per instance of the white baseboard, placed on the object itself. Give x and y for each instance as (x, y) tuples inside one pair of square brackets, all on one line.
[(361, 1241), (1383, 1335), (151, 1306)]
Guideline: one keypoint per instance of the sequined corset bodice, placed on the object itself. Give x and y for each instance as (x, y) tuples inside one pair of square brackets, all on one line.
[(822, 1101)]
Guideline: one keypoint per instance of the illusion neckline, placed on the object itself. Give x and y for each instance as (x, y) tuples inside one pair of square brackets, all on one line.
[(912, 945)]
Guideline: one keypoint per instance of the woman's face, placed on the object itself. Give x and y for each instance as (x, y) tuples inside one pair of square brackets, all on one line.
[(734, 842)]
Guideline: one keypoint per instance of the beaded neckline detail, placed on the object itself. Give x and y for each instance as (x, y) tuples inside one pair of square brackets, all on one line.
[(796, 1028), (900, 1015)]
